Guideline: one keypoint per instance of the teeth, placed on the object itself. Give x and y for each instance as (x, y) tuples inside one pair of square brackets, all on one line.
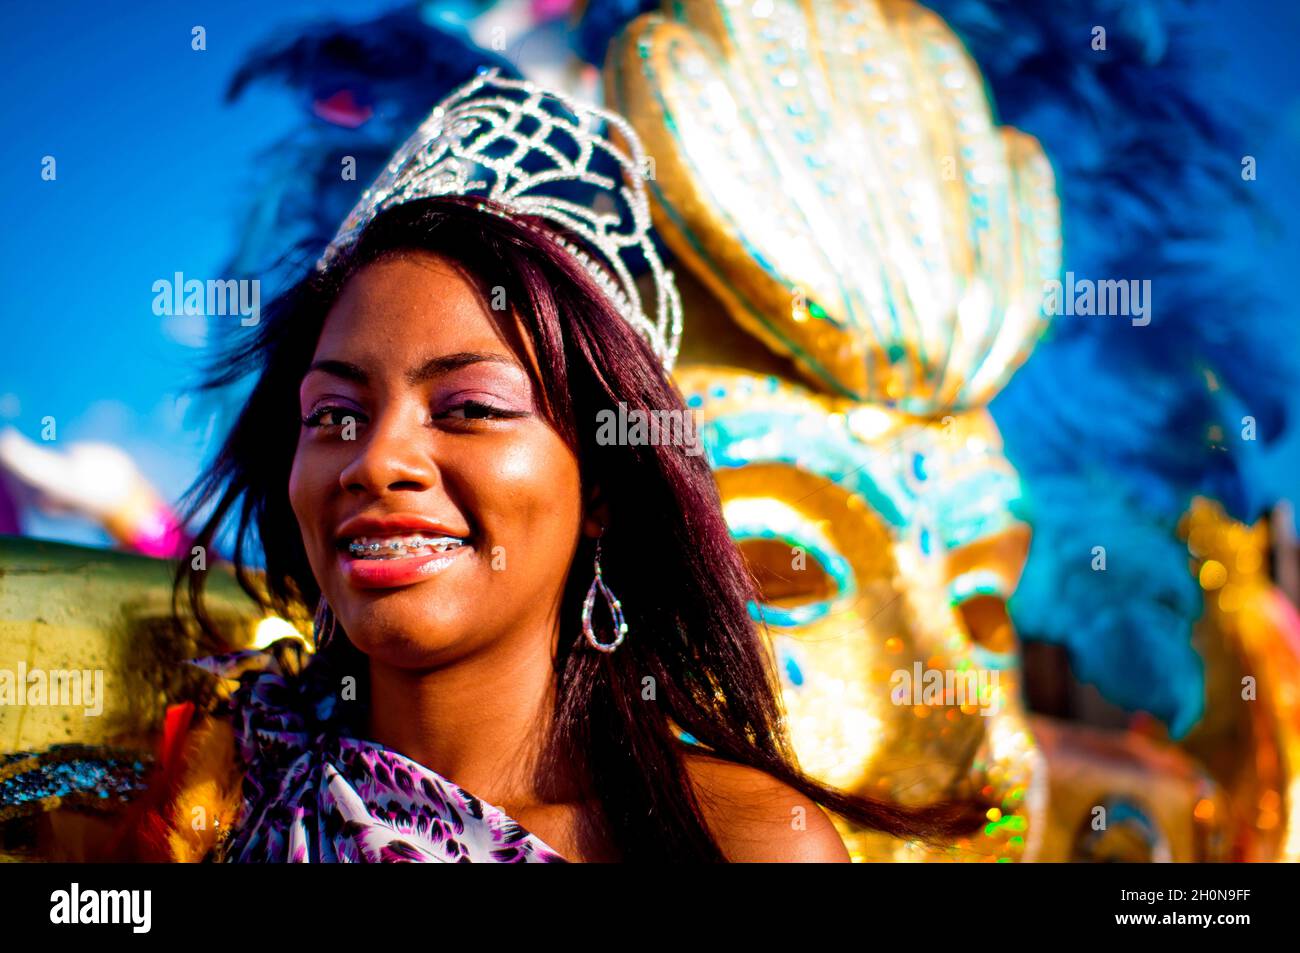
[(387, 547)]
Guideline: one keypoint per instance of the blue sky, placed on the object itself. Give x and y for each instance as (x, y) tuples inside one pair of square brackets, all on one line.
[(151, 166), (152, 170)]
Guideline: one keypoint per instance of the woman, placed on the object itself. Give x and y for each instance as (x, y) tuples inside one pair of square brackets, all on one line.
[(506, 605)]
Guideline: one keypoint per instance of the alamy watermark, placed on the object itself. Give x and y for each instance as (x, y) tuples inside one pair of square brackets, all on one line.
[(634, 427), (57, 687), (212, 298), (946, 687), (1123, 297), (132, 908)]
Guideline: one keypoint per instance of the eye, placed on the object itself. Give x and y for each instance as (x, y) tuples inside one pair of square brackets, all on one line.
[(478, 410), (331, 416)]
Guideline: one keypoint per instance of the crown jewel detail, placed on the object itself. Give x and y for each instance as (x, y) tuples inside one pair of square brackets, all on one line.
[(528, 149)]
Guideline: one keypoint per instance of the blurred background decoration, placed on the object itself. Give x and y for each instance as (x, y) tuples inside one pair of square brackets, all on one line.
[(953, 502)]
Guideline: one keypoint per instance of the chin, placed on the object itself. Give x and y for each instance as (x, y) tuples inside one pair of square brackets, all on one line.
[(400, 630)]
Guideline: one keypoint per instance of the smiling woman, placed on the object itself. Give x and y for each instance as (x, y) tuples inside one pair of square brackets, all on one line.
[(419, 459)]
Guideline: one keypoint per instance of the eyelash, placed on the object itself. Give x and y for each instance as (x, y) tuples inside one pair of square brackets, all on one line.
[(493, 412), (313, 420)]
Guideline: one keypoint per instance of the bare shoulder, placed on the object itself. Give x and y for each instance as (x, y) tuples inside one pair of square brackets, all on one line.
[(756, 818)]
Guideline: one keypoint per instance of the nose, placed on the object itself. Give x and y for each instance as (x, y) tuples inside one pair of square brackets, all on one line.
[(393, 453)]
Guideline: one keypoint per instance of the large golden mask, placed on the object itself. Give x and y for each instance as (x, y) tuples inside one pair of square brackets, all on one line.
[(865, 254), (868, 251), (835, 507)]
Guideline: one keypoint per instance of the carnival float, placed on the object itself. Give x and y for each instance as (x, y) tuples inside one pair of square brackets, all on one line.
[(864, 248)]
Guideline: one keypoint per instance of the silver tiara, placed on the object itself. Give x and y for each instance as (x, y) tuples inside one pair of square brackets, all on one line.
[(524, 148)]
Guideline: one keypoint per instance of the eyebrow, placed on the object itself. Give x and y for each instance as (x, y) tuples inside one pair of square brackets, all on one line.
[(433, 367)]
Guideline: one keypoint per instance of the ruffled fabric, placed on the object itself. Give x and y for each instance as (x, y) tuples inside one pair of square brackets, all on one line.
[(315, 793)]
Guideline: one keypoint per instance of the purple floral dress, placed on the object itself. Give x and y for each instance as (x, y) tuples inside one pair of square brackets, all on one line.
[(314, 793)]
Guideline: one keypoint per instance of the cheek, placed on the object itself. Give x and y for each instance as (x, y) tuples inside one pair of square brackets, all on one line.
[(535, 495), (309, 482)]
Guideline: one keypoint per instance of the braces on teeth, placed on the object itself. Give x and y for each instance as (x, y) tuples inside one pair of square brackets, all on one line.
[(396, 546)]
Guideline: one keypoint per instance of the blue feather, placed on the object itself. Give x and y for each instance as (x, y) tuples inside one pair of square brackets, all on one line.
[(1148, 417)]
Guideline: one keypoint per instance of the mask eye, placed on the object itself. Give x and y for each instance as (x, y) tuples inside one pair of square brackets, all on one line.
[(785, 578), (801, 576)]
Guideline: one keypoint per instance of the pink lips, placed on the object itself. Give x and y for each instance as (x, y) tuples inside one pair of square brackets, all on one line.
[(396, 571), (399, 571)]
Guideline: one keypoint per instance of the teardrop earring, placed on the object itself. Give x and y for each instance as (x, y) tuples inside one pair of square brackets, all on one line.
[(615, 611), (323, 625)]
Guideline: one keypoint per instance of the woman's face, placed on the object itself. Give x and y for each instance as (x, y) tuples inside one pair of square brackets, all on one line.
[(439, 509)]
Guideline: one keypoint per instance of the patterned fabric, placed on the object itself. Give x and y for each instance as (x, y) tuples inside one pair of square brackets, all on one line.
[(314, 792)]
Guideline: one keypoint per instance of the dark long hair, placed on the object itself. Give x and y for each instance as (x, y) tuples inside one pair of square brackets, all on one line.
[(667, 553)]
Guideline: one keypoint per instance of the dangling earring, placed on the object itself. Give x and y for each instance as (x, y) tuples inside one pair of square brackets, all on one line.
[(324, 624), (615, 611)]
